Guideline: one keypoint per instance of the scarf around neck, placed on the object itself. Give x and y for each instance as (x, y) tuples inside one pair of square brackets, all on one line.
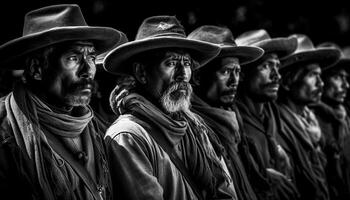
[(59, 123), (198, 154), (24, 112)]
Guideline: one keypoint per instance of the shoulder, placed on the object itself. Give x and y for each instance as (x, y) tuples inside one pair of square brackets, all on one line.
[(5, 128), (128, 126)]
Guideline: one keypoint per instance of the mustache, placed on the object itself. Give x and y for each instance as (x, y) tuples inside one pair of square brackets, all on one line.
[(174, 86), (83, 83), (272, 84), (230, 91), (317, 91)]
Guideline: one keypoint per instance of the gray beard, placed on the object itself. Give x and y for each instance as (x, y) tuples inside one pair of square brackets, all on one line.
[(173, 102), (75, 100)]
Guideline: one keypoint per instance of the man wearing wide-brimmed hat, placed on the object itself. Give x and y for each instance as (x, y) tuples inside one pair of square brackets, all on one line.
[(302, 86), (159, 148), (51, 143), (215, 86), (334, 121), (261, 124)]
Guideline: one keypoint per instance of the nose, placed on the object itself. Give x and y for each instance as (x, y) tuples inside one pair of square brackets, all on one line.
[(182, 73), (319, 82), (233, 79), (275, 75), (87, 69)]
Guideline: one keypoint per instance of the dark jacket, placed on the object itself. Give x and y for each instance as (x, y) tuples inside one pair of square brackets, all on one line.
[(335, 132), (19, 171), (306, 161)]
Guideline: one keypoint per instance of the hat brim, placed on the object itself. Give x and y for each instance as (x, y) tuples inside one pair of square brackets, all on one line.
[(245, 54), (324, 57), (115, 60), (343, 63), (103, 38), (281, 46)]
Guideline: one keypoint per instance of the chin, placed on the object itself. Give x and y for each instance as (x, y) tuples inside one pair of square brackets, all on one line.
[(79, 100)]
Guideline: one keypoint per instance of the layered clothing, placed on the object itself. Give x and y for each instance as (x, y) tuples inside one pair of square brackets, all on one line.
[(226, 127), (307, 159), (143, 169), (335, 125), (264, 133), (39, 156)]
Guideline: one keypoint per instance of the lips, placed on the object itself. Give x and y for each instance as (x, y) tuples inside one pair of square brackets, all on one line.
[(86, 88)]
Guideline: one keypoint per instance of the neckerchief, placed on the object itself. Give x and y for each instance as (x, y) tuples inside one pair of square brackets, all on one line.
[(222, 121), (198, 153), (60, 123), (225, 125), (29, 135), (268, 124)]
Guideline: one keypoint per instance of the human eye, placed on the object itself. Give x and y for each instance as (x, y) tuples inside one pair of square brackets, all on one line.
[(171, 63), (91, 58), (238, 70), (73, 58), (187, 63), (225, 71), (264, 66)]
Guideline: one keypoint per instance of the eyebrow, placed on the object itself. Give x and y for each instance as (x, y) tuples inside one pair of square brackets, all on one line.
[(91, 50)]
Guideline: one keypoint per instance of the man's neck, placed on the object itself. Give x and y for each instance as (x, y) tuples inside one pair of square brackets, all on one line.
[(256, 107), (53, 104), (330, 103), (295, 107)]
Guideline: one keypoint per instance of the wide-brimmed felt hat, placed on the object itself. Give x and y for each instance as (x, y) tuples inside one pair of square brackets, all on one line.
[(343, 62), (223, 37), (158, 32), (55, 24), (307, 53), (282, 46)]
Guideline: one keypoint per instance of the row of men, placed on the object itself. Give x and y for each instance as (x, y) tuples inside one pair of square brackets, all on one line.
[(181, 132)]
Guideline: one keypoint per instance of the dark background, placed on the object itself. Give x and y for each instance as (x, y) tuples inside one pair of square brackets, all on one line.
[(321, 20)]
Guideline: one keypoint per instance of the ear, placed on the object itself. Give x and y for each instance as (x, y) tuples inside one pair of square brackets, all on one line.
[(35, 70), (139, 72)]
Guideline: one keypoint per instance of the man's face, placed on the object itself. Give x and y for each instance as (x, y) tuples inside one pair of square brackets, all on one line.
[(263, 80), (168, 81), (69, 76), (336, 86), (308, 87), (221, 88)]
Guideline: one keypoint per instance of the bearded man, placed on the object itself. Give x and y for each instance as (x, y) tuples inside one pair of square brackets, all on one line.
[(158, 148)]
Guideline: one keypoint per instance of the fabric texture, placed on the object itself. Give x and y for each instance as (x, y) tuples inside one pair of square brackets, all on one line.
[(334, 123), (307, 161), (264, 133), (151, 165), (226, 126), (37, 161)]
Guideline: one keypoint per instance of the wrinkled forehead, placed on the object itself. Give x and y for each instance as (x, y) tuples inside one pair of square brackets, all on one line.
[(80, 46), (177, 54)]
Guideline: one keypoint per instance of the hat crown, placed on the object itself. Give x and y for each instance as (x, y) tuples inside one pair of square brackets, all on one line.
[(50, 17), (304, 43), (343, 53), (214, 34), (253, 37), (157, 26)]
